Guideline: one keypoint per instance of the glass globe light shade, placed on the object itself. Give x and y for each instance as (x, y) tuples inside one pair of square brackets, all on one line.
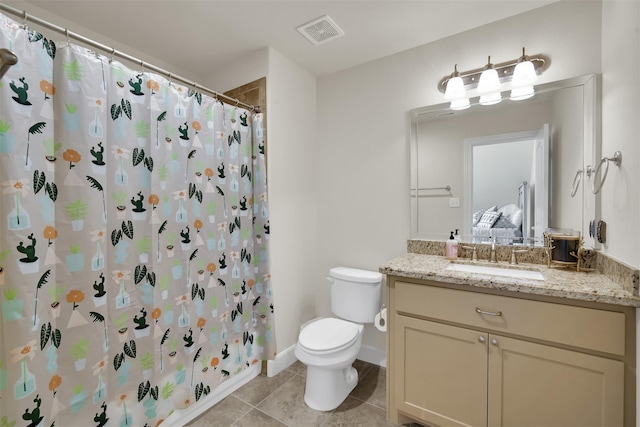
[(490, 98), (489, 87), (460, 104), (455, 89), (489, 81), (524, 75), (520, 93), (457, 94)]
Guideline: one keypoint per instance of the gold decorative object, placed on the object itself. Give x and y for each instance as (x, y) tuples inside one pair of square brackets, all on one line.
[(563, 250)]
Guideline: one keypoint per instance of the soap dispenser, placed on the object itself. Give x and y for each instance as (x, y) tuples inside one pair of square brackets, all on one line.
[(451, 247), (457, 236)]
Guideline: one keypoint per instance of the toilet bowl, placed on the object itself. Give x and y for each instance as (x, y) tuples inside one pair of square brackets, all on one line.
[(329, 346)]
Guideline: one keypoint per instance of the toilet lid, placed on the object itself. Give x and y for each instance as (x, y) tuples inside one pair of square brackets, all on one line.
[(328, 334)]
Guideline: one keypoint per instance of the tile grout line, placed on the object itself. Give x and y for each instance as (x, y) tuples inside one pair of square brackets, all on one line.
[(243, 415), (326, 421), (258, 403), (261, 411)]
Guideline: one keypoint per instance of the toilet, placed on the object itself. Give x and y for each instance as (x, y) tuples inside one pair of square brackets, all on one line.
[(329, 346)]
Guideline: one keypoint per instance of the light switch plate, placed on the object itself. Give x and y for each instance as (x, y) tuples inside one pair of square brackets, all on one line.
[(454, 202)]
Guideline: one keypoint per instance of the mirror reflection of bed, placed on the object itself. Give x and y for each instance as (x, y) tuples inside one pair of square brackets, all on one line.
[(507, 187), (505, 223)]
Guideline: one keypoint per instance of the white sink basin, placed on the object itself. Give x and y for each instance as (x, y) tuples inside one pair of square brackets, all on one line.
[(495, 271)]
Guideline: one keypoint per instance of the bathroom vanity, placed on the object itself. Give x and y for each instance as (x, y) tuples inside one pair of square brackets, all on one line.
[(507, 350)]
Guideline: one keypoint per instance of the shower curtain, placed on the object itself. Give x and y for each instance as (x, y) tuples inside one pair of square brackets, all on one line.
[(134, 237)]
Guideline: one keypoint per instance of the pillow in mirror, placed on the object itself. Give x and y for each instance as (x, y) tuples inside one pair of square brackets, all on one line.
[(512, 213), (503, 222), (488, 219), (478, 214)]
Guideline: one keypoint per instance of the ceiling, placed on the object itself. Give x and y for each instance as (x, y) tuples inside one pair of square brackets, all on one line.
[(203, 35)]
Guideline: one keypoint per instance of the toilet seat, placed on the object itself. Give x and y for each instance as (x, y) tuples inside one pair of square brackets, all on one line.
[(328, 335)]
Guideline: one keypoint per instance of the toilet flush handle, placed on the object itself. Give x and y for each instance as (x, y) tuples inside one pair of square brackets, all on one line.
[(330, 279)]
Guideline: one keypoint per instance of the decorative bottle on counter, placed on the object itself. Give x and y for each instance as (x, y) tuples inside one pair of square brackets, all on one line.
[(451, 248)]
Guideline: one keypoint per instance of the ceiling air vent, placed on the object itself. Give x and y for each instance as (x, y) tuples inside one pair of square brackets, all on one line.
[(321, 30)]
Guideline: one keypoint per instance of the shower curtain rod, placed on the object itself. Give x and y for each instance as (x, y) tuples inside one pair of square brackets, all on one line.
[(113, 52)]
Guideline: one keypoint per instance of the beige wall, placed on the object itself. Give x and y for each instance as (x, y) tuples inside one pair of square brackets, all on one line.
[(291, 93), (620, 202)]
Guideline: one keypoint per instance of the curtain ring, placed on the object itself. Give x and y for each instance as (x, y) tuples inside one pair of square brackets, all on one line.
[(170, 78), (66, 34), (25, 16), (113, 52), (141, 66), (576, 182)]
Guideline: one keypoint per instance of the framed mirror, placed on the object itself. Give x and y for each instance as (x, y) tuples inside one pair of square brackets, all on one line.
[(475, 161)]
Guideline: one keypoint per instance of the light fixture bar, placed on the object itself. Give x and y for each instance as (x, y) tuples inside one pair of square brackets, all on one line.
[(505, 70)]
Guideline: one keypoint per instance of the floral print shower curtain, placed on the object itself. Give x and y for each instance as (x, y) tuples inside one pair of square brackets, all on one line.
[(133, 240)]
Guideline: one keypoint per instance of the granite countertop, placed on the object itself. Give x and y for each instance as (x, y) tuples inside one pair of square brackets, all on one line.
[(562, 283)]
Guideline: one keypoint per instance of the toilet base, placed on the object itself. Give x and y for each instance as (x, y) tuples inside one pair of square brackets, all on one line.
[(326, 389)]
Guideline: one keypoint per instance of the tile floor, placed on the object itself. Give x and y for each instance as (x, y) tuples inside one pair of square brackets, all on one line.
[(279, 401)]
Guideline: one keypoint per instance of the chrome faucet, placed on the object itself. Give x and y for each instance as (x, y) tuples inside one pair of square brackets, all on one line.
[(492, 255), (514, 259), (474, 253)]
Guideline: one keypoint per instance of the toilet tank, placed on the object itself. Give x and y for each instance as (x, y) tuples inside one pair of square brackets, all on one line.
[(355, 294)]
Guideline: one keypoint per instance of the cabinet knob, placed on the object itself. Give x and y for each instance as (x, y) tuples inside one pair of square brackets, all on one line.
[(481, 339), (494, 341)]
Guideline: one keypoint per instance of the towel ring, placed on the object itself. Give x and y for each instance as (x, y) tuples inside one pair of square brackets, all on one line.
[(616, 159), (576, 182)]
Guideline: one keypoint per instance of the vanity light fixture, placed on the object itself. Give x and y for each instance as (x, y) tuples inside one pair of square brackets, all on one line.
[(518, 75)]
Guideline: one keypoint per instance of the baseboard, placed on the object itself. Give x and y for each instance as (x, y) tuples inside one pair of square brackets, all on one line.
[(181, 417), (373, 355), (286, 358), (283, 360)]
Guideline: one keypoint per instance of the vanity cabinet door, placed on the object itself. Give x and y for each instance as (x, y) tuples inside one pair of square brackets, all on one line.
[(536, 385), (440, 372)]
